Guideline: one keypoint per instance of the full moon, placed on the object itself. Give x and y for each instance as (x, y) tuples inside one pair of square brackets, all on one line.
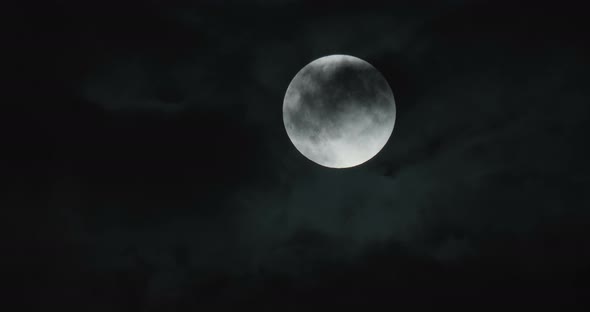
[(339, 111)]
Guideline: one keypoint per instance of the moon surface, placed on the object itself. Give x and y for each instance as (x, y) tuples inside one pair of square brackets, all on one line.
[(339, 111)]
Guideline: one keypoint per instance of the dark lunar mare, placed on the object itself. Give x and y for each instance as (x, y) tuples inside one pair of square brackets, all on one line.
[(330, 94)]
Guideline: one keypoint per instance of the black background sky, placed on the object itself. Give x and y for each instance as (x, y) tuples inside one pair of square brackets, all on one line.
[(150, 169)]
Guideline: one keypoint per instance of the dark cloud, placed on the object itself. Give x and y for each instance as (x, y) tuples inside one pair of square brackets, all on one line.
[(160, 176)]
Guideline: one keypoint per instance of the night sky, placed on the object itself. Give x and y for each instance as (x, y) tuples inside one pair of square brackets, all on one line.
[(150, 169)]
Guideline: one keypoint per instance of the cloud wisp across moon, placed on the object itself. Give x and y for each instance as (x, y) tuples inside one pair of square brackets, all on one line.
[(339, 111)]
